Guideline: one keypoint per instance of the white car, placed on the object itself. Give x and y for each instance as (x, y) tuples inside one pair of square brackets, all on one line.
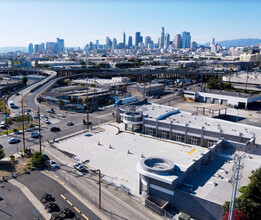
[(78, 166), (61, 115), (44, 116), (47, 121), (53, 164)]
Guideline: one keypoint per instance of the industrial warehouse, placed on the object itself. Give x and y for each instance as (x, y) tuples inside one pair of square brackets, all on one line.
[(177, 161)]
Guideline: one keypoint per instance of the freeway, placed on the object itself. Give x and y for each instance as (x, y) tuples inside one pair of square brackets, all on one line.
[(26, 91)]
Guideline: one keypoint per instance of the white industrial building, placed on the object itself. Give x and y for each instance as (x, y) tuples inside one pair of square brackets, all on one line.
[(233, 99)]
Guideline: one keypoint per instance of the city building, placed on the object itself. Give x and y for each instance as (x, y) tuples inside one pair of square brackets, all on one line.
[(162, 38), (124, 40), (31, 48), (138, 39), (60, 45), (186, 40), (130, 42), (177, 41)]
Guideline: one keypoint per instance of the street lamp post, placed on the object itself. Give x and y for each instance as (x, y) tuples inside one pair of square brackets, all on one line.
[(99, 172)]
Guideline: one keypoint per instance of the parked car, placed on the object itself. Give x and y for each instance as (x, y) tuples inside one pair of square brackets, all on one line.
[(44, 116), (47, 197), (55, 129), (36, 117), (14, 141), (51, 207), (69, 123), (52, 164), (35, 135), (78, 166), (61, 115), (17, 93), (3, 125)]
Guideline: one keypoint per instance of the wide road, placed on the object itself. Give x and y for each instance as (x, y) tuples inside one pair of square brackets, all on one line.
[(39, 184)]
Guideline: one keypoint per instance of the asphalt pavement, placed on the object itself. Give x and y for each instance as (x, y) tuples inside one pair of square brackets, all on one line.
[(15, 205)]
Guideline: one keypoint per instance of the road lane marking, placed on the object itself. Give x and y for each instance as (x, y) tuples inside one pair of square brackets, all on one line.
[(85, 217), (63, 196), (77, 209), (192, 151), (69, 202)]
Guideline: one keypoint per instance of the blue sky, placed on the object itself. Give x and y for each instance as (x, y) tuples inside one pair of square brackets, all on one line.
[(82, 21)]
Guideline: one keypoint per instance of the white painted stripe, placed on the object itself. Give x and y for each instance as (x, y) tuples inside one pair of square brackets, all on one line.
[(167, 191)]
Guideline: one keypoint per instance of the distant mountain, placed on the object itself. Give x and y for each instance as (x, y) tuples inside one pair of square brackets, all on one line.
[(13, 49), (237, 42)]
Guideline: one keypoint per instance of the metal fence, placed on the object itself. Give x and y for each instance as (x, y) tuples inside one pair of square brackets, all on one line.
[(157, 209)]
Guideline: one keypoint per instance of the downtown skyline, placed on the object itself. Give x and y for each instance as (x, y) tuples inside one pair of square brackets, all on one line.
[(80, 22)]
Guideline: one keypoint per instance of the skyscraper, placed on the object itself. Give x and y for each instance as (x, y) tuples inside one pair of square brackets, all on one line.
[(147, 41), (166, 41), (162, 38), (130, 42), (177, 41), (97, 44), (114, 43), (37, 48), (186, 40), (31, 48), (138, 39), (213, 42), (124, 39), (51, 47), (108, 43), (60, 45)]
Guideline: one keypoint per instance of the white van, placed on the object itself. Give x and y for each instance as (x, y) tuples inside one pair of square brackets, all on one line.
[(2, 125)]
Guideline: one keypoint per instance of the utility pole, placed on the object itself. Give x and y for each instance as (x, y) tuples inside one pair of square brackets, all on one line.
[(39, 124), (22, 104), (236, 176), (87, 107), (6, 125)]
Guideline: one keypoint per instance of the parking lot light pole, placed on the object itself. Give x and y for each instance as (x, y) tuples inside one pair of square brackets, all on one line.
[(99, 172)]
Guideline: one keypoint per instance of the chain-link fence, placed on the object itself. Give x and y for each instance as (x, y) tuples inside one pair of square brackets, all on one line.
[(155, 208)]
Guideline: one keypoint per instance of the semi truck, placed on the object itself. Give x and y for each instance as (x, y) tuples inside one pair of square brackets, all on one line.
[(125, 101)]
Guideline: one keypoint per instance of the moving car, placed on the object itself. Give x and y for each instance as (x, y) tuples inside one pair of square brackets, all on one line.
[(14, 141), (55, 129), (35, 135), (52, 164), (78, 166), (69, 123), (51, 111)]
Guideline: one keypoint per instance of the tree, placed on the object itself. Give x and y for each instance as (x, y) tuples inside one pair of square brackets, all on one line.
[(37, 159), (250, 200), (24, 80), (2, 154), (60, 103)]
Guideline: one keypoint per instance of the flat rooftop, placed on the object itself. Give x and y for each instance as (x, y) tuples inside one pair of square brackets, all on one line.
[(154, 111), (213, 181), (116, 163), (250, 78)]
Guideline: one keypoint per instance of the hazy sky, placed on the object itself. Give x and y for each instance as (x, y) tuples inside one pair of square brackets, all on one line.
[(82, 21)]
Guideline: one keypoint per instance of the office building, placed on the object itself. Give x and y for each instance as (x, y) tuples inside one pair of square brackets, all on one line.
[(37, 48), (166, 41), (186, 39), (97, 44), (108, 43), (124, 39), (51, 47), (138, 39), (114, 43), (147, 42), (162, 38), (177, 41), (60, 45), (130, 42), (194, 45), (31, 48)]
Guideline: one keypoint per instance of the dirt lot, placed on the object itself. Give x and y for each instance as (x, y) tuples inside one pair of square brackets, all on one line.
[(8, 167)]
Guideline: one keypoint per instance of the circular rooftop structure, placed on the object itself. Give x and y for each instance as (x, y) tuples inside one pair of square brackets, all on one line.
[(157, 165)]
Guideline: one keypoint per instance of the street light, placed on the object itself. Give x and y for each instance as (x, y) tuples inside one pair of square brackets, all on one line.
[(99, 172)]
